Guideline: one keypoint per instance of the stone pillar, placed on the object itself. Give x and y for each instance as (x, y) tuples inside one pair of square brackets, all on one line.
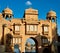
[(23, 45), (50, 31)]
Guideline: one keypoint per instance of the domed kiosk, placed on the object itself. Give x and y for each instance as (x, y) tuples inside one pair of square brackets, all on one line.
[(51, 15), (7, 12)]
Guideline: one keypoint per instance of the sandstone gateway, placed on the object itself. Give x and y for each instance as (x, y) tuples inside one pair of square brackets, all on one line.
[(15, 31)]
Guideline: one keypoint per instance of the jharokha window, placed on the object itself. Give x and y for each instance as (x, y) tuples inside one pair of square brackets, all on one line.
[(45, 29), (16, 28), (30, 29), (16, 40)]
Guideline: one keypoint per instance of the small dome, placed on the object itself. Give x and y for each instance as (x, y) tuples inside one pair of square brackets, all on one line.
[(7, 11), (51, 13)]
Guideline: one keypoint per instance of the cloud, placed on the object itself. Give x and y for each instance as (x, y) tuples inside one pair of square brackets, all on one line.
[(28, 3)]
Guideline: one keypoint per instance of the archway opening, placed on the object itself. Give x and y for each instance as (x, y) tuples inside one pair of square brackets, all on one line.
[(31, 45)]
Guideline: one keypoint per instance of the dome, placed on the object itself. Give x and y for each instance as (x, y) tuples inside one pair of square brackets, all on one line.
[(51, 13), (7, 11)]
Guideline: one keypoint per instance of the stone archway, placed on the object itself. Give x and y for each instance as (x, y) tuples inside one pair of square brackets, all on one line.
[(32, 46)]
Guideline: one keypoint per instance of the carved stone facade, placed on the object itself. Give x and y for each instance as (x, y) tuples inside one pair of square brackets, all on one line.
[(16, 31)]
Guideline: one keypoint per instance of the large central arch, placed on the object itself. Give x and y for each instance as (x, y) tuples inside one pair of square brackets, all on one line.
[(35, 46)]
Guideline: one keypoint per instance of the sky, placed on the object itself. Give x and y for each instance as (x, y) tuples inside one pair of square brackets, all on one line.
[(31, 41), (43, 6)]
